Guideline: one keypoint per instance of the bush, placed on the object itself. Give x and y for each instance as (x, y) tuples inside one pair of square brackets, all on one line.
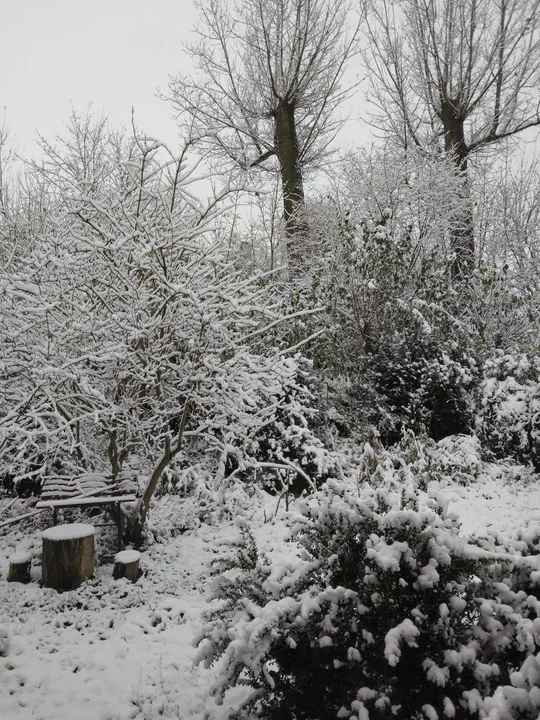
[(393, 332), (423, 370), (388, 614), (289, 437), (508, 420)]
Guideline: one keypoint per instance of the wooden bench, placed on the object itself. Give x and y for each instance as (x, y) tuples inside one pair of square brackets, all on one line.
[(88, 490)]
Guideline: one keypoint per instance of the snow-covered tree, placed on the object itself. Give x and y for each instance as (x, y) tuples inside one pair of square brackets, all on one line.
[(457, 76), (126, 330), (270, 77)]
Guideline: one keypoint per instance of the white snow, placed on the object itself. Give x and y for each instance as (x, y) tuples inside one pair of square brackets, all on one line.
[(407, 632), (71, 531), (122, 651), (108, 651), (127, 556)]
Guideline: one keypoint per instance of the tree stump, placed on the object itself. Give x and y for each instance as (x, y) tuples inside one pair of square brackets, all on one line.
[(68, 555), (19, 567), (126, 565)]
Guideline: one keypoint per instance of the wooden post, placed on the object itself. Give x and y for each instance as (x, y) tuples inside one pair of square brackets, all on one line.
[(118, 515), (126, 565), (19, 567), (68, 555)]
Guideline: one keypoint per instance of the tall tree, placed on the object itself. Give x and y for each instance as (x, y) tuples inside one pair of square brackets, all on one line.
[(457, 76), (268, 83)]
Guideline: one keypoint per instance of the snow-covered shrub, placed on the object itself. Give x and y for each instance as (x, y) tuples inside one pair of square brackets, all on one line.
[(388, 614), (457, 457), (508, 420), (521, 699), (503, 306), (393, 328), (290, 437), (509, 627), (202, 503), (423, 369)]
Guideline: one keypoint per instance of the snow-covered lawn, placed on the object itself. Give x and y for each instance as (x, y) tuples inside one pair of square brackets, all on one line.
[(497, 501), (114, 650), (110, 650)]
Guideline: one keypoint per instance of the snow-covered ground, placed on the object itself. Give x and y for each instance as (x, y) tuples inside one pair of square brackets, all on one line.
[(114, 650), (109, 650)]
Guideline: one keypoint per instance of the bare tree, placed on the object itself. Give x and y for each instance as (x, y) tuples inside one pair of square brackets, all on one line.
[(508, 214), (125, 331), (268, 84), (457, 76)]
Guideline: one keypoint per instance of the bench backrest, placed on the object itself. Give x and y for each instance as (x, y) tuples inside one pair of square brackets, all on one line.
[(63, 487)]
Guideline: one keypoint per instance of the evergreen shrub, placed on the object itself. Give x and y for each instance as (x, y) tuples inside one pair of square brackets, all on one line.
[(388, 613), (508, 417)]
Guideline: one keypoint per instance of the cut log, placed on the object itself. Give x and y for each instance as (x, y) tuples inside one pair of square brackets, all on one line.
[(68, 555), (126, 565), (19, 567)]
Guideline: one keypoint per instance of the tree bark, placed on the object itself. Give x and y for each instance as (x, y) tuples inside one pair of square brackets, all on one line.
[(126, 565), (292, 184), (68, 557), (19, 568), (135, 529), (462, 230)]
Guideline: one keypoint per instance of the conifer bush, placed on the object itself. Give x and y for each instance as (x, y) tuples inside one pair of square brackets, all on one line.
[(423, 369), (388, 613), (508, 418), (290, 437)]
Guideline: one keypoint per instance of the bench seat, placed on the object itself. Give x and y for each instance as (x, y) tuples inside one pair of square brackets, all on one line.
[(85, 491), (60, 487), (86, 501)]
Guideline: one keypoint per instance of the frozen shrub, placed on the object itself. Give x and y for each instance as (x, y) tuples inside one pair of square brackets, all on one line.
[(521, 699), (389, 614), (423, 369), (510, 627), (457, 457), (508, 421), (290, 438)]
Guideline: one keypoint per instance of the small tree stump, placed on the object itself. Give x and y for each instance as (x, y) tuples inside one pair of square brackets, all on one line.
[(19, 567), (126, 565), (68, 555)]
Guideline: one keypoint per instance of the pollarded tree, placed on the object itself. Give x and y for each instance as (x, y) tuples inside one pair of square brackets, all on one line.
[(456, 75), (269, 82)]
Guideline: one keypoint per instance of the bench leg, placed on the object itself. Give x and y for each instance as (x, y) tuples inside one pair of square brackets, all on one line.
[(119, 525), (55, 516)]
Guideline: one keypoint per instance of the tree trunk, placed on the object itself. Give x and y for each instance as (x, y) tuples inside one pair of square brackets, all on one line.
[(19, 568), (462, 230), (135, 528), (134, 533), (126, 565), (292, 186), (68, 557)]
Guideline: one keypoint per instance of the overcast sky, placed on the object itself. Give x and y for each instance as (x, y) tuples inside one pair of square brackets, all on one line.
[(113, 53)]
